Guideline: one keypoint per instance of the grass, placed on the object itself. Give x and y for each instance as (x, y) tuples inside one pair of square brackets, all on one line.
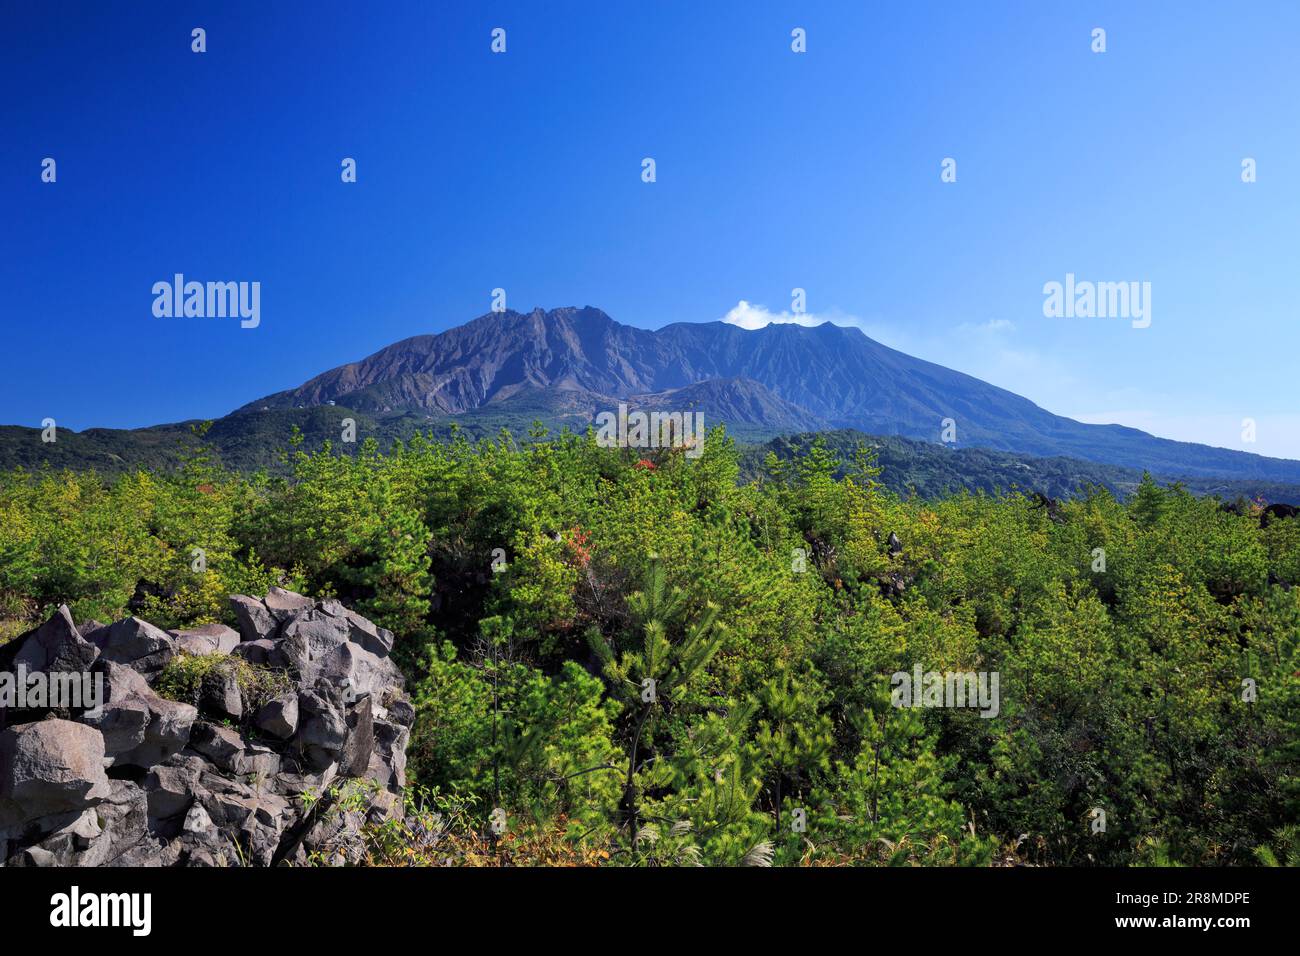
[(183, 677), (9, 629)]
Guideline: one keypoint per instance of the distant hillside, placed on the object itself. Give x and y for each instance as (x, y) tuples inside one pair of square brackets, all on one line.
[(930, 469), (248, 441)]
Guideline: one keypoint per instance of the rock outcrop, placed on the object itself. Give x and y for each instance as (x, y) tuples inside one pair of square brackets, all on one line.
[(292, 736)]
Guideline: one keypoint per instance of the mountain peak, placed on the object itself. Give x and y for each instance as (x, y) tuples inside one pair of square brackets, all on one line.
[(810, 377)]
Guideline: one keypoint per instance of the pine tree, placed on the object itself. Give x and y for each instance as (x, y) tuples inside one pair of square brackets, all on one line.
[(675, 646), (1148, 502), (795, 737)]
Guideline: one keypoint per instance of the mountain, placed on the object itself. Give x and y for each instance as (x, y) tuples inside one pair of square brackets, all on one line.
[(740, 402), (581, 360), (565, 366)]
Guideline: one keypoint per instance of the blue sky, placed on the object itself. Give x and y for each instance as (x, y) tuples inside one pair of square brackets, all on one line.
[(775, 171)]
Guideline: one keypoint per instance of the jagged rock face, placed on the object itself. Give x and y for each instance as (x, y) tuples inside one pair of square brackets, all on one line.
[(56, 645), (223, 780)]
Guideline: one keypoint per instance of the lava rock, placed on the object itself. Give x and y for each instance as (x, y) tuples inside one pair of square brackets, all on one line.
[(227, 791), (50, 767), (137, 644), (140, 728), (255, 621), (279, 716), (208, 639)]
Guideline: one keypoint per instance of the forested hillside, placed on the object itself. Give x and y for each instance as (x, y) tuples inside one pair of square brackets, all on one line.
[(638, 658), (248, 441), (931, 469)]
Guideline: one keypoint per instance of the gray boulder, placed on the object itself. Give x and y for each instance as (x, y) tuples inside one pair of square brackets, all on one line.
[(87, 628), (99, 836), (252, 817), (359, 672), (50, 767), (284, 604), (220, 746), (64, 841), (279, 716), (172, 787), (308, 637), (125, 820), (354, 758), (207, 639), (56, 645), (197, 820), (377, 640), (255, 621), (255, 652), (139, 727), (136, 643), (247, 787), (388, 760), (322, 729), (227, 750), (219, 694)]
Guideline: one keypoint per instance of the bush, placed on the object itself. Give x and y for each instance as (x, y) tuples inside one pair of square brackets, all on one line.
[(183, 678), (668, 665)]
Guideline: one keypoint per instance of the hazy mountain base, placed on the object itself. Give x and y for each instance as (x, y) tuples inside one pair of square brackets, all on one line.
[(246, 441), (931, 470)]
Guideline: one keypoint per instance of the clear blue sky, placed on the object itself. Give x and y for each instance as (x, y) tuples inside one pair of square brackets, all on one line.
[(775, 170)]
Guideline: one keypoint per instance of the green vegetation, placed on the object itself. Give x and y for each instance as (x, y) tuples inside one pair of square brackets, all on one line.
[(183, 677), (931, 469), (250, 440), (638, 658)]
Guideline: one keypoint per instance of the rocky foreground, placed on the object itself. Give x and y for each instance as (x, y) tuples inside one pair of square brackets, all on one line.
[(288, 736)]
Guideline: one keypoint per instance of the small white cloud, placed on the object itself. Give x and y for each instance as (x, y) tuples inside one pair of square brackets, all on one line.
[(991, 327), (748, 316)]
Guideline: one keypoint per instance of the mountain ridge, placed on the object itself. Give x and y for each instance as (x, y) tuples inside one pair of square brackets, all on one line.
[(819, 376)]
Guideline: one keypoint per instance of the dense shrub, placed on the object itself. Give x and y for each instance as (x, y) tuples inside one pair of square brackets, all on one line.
[(625, 659)]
